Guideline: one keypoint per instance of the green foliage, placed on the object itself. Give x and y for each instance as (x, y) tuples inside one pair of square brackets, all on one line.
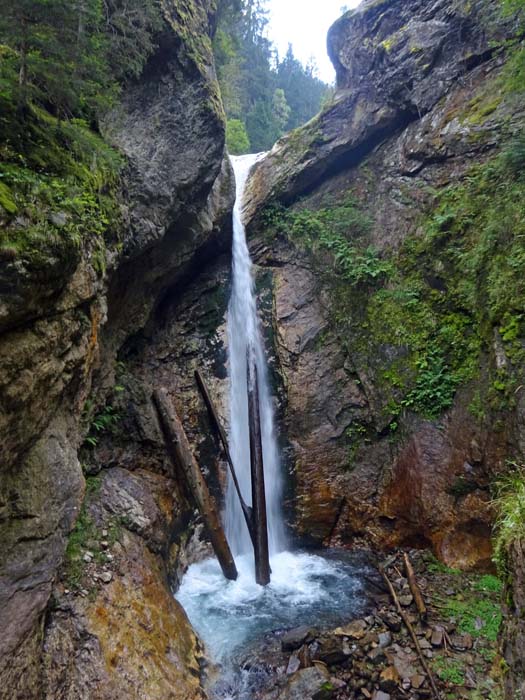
[(437, 567), (477, 609), (103, 422), (514, 6), (68, 56), (60, 63), (86, 536), (510, 507), (356, 435), (269, 96), (236, 137), (479, 617), (435, 384), (60, 179), (129, 29), (421, 318), (334, 230), (513, 77), (488, 584), (449, 670), (6, 199), (83, 537), (354, 265), (513, 156)]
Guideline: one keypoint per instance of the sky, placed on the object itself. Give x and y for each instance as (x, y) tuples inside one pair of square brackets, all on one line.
[(304, 24)]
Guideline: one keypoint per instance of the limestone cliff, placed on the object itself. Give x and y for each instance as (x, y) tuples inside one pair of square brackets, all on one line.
[(62, 327)]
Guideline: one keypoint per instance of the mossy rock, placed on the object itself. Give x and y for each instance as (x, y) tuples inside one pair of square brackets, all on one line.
[(6, 199)]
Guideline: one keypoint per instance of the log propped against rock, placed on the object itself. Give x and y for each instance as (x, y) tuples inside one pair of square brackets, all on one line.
[(255, 517), (180, 453), (260, 525), (414, 588), (246, 509)]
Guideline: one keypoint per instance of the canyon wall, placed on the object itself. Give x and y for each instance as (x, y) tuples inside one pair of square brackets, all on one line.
[(389, 274), (67, 632)]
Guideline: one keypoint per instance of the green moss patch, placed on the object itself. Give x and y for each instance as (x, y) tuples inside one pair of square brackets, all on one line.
[(61, 179), (86, 537)]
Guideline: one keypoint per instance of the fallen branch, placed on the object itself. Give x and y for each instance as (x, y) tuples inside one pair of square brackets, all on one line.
[(182, 457), (409, 627), (414, 588), (247, 511)]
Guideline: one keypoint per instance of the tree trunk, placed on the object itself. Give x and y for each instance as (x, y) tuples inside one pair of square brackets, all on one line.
[(416, 591), (180, 453), (247, 511), (262, 560)]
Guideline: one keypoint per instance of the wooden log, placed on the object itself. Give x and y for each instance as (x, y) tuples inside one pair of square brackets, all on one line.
[(414, 588), (182, 457), (260, 525), (247, 511), (409, 627)]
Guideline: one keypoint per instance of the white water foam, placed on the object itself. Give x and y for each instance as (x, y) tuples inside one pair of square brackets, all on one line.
[(305, 589)]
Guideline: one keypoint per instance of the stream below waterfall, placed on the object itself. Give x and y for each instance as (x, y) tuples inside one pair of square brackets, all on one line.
[(235, 619)]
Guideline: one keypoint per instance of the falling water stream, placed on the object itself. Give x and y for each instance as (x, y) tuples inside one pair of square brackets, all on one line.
[(305, 588), (243, 332)]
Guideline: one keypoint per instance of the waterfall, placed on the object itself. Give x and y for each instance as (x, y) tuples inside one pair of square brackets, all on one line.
[(243, 331), (305, 588)]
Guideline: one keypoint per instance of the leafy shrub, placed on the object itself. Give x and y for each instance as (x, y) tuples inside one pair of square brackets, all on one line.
[(105, 421), (449, 670), (513, 156), (237, 139)]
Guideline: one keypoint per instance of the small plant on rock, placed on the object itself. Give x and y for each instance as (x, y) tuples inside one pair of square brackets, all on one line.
[(510, 504)]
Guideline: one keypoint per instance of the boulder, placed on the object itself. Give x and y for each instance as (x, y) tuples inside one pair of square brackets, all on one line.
[(308, 684)]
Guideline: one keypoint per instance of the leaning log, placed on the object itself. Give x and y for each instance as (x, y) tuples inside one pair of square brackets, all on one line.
[(260, 525), (182, 457), (414, 588), (246, 509)]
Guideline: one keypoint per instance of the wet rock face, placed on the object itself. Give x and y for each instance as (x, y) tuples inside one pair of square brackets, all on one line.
[(419, 498), (403, 124), (395, 61), (428, 488), (62, 328), (409, 52)]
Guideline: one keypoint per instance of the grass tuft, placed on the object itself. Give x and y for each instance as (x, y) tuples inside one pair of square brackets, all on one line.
[(510, 505)]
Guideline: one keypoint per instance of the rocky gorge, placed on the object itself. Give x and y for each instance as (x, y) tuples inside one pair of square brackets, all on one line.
[(387, 238)]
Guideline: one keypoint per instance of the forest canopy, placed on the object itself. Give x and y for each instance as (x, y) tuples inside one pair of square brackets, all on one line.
[(68, 56), (264, 95)]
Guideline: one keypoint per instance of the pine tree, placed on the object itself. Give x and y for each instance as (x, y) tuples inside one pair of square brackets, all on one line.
[(131, 26), (67, 55), (268, 96)]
